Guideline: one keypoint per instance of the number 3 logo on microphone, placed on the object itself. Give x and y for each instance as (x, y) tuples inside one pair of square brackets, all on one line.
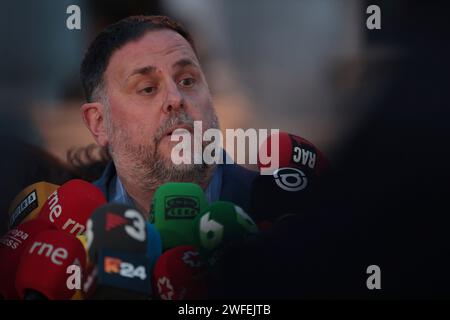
[(137, 231)]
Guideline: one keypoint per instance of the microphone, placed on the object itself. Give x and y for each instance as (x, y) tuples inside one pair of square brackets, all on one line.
[(79, 294), (12, 245), (83, 240), (43, 268), (174, 207), (289, 188), (222, 224), (29, 202), (154, 244), (118, 244), (179, 275), (70, 206), (294, 151)]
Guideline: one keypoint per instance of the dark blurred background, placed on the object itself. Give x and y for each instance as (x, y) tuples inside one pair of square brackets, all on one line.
[(376, 102)]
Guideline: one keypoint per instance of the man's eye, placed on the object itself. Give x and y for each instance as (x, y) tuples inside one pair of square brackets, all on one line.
[(187, 82), (147, 90)]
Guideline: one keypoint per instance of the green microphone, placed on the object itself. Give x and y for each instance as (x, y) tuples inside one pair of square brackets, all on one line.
[(222, 224), (173, 209)]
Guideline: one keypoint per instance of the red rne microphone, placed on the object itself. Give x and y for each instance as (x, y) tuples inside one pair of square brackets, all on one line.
[(51, 267), (12, 245), (70, 206), (179, 275)]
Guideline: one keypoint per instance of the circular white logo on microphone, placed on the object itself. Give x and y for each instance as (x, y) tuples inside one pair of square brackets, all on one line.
[(290, 179)]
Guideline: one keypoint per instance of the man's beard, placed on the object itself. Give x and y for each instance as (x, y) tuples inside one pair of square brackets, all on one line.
[(146, 166)]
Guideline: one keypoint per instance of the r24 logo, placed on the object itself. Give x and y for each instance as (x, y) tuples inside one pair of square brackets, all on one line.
[(125, 269), (129, 271)]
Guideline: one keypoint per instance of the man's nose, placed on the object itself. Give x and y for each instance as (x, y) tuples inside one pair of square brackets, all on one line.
[(174, 100)]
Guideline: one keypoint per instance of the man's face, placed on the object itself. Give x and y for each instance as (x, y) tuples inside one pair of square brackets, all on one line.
[(154, 85)]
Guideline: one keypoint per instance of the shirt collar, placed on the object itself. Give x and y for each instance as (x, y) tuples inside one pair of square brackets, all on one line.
[(117, 192)]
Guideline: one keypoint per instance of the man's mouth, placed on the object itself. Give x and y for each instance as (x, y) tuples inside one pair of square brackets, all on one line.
[(170, 131)]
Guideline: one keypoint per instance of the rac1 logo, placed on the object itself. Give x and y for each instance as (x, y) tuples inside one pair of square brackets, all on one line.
[(304, 157), (125, 269), (290, 179)]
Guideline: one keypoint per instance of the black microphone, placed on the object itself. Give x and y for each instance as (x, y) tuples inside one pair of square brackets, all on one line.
[(288, 189), (117, 243)]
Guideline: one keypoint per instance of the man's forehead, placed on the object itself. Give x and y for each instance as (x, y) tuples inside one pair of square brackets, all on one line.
[(150, 49)]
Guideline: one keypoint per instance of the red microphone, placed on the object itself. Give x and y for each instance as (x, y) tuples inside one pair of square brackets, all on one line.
[(178, 275), (47, 264), (71, 205), (12, 245), (293, 151)]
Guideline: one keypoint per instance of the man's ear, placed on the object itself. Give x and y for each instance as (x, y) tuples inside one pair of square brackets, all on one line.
[(93, 114)]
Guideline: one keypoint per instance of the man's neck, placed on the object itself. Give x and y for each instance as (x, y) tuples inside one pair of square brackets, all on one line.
[(142, 191), (141, 197)]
